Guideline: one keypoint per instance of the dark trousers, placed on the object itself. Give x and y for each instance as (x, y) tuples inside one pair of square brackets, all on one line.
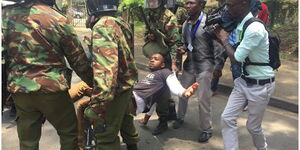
[(57, 108), (236, 70), (214, 84), (162, 106)]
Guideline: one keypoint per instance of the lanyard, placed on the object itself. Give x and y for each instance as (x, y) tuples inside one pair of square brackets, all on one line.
[(197, 26)]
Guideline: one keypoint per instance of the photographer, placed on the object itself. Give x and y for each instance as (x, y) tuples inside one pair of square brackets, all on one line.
[(256, 84), (229, 24), (203, 57)]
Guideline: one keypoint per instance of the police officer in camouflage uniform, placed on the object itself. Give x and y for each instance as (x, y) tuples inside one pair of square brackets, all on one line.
[(165, 21), (181, 15), (37, 39), (115, 73)]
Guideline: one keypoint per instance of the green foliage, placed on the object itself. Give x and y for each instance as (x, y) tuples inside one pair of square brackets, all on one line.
[(282, 11), (130, 4), (132, 7), (139, 26), (139, 33), (289, 40)]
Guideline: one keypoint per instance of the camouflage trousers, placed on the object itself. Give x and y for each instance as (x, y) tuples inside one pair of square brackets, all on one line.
[(57, 108)]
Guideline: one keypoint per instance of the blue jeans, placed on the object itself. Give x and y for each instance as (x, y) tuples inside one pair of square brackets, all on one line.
[(214, 84), (236, 70)]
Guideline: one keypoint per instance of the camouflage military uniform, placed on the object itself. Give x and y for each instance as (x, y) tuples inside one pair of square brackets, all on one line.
[(165, 21), (37, 40), (181, 15), (115, 73)]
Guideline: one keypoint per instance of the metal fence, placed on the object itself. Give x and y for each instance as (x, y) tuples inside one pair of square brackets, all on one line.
[(79, 22), (78, 13)]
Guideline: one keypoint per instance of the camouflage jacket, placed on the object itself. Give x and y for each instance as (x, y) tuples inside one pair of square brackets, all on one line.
[(36, 39), (181, 15), (165, 21), (113, 63)]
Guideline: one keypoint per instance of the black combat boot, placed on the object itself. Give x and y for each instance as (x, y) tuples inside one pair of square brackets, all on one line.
[(162, 127), (131, 146)]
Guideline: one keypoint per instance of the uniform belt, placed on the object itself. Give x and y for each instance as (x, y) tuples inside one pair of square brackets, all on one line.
[(258, 82)]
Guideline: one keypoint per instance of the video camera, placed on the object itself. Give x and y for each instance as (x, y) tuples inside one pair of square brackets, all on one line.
[(219, 17)]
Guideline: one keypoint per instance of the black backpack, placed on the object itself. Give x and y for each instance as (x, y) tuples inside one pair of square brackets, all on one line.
[(274, 47)]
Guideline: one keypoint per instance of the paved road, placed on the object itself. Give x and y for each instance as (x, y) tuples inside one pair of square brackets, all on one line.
[(281, 128)]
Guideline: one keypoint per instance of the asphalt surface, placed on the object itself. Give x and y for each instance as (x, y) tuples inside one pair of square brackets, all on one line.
[(280, 127), (286, 91)]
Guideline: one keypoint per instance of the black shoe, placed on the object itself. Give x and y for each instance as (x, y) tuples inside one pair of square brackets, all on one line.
[(178, 123), (204, 136), (131, 146), (162, 127)]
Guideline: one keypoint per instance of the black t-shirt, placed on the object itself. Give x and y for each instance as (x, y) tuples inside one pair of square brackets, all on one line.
[(152, 86)]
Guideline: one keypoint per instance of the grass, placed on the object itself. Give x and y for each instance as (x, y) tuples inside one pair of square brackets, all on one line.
[(289, 41), (139, 29)]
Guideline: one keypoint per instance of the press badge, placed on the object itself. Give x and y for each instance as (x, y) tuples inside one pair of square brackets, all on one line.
[(190, 47)]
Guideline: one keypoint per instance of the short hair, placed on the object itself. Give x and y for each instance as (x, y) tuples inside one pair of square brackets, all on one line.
[(201, 1), (163, 56)]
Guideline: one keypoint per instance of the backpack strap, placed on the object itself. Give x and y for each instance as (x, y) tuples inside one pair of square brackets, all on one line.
[(247, 23), (247, 60)]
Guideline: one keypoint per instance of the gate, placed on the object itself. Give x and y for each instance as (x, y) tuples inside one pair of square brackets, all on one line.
[(78, 13)]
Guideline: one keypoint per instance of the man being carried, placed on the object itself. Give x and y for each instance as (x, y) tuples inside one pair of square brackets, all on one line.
[(149, 90), (162, 32), (146, 92)]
